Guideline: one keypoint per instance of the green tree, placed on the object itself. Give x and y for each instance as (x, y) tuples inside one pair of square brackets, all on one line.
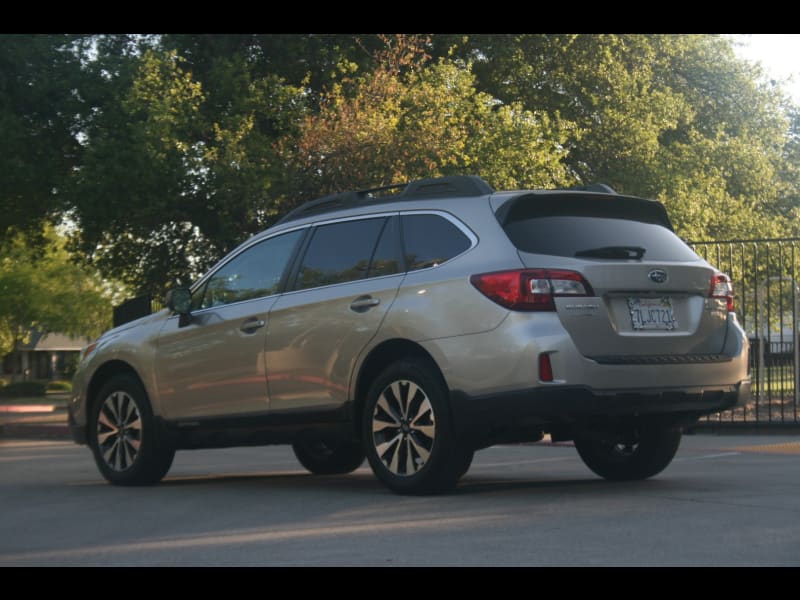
[(412, 117), (790, 170), (40, 112), (168, 150), (167, 185), (40, 287), (677, 117)]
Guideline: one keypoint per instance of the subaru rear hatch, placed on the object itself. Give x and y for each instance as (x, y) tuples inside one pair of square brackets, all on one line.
[(640, 295)]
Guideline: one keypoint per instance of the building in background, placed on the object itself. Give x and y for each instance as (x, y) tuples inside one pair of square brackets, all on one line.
[(45, 356)]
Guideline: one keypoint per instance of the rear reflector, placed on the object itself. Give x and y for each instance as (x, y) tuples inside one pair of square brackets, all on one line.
[(545, 368), (530, 289), (721, 287)]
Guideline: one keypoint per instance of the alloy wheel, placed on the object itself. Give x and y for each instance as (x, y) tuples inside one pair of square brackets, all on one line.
[(119, 431), (403, 428)]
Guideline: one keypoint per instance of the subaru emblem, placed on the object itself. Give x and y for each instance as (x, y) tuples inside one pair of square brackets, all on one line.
[(657, 276)]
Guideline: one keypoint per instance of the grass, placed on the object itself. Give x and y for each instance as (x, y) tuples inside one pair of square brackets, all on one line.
[(36, 387), (36, 393), (59, 385), (776, 380)]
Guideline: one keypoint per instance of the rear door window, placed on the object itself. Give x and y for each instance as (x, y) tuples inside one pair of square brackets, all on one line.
[(388, 256), (340, 252)]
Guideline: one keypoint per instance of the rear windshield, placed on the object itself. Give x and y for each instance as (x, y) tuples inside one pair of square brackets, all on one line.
[(568, 235)]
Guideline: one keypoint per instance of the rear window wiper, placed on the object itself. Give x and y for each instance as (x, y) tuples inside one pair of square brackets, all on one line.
[(618, 252)]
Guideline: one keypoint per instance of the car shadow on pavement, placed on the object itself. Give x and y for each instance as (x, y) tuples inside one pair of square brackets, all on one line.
[(357, 483), (590, 483)]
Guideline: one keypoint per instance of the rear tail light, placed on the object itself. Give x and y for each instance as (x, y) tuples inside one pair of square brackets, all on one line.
[(722, 288), (530, 289)]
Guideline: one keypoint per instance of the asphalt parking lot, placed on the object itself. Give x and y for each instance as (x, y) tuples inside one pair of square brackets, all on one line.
[(725, 500)]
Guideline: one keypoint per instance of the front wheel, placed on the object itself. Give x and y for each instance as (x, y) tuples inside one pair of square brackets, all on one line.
[(328, 458), (127, 444), (642, 453), (408, 433)]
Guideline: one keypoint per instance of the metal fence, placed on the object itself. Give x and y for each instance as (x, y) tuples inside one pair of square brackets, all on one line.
[(765, 278)]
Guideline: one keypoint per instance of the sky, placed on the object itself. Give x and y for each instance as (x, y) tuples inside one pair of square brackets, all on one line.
[(779, 54)]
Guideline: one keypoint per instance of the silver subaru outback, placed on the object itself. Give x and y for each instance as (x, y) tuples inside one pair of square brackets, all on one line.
[(416, 324)]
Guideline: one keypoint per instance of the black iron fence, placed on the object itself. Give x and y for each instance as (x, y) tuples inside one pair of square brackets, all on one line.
[(766, 282)]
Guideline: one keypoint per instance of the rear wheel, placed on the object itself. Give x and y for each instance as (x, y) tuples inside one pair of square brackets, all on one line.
[(408, 433), (127, 444), (328, 458), (642, 453)]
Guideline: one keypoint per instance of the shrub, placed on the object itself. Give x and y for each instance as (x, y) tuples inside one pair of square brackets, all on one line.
[(59, 386), (24, 388)]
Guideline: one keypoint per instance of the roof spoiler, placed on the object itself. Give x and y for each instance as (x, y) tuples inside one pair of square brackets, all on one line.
[(548, 203)]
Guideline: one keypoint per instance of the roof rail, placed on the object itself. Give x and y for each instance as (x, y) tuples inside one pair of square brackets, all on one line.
[(437, 187), (594, 187), (444, 187)]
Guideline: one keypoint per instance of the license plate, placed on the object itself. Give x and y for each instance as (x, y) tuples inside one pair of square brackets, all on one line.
[(652, 313)]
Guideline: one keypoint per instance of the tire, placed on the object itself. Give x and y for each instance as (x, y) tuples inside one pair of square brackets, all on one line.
[(648, 453), (408, 432), (328, 458), (141, 455)]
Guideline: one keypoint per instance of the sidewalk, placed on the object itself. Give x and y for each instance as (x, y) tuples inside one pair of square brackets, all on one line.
[(44, 417)]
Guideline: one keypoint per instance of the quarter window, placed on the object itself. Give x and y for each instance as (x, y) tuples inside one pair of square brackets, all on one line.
[(255, 273), (430, 240)]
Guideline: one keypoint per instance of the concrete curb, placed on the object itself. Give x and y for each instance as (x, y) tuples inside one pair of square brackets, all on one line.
[(22, 421), (34, 431)]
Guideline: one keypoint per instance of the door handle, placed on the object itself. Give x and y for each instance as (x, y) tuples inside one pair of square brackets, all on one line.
[(251, 325), (363, 303)]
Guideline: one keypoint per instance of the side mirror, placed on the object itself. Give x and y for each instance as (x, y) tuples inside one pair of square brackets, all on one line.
[(179, 300)]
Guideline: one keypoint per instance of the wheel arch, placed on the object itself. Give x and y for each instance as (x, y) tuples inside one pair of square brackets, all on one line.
[(380, 357), (102, 375)]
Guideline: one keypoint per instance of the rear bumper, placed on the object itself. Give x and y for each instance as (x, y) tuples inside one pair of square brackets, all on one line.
[(513, 415)]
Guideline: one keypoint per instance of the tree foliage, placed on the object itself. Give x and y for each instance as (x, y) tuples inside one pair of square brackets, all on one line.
[(168, 184), (677, 117), (40, 287), (412, 117), (167, 151), (40, 109)]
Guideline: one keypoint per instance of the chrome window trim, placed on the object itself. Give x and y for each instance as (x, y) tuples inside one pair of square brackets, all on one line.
[(355, 218), (330, 285), (471, 236), (201, 311)]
